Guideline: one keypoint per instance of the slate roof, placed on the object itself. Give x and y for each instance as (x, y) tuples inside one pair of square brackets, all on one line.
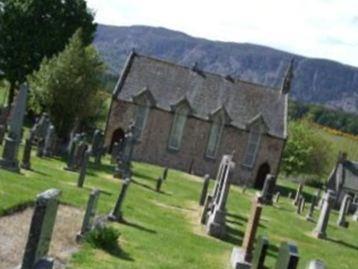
[(206, 92)]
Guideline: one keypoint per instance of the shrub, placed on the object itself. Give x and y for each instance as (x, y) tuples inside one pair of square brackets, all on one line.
[(103, 237)]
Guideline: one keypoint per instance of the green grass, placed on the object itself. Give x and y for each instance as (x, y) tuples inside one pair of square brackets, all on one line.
[(163, 229)]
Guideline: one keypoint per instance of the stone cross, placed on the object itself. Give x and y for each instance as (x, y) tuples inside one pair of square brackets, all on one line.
[(9, 159), (159, 184), (315, 264), (41, 228), (90, 214), (83, 169), (287, 256), (342, 222), (216, 221), (267, 190), (116, 214), (242, 257), (26, 156), (322, 223), (298, 194), (261, 248), (309, 215), (204, 190)]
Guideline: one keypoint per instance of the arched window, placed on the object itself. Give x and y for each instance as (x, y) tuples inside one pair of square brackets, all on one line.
[(182, 110), (252, 146), (144, 100)]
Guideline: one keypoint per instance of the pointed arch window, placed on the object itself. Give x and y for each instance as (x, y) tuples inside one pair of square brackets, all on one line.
[(177, 130), (257, 128), (144, 101)]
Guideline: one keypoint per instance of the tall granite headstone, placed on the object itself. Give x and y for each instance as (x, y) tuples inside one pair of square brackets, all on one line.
[(9, 159), (116, 214), (322, 223), (342, 221)]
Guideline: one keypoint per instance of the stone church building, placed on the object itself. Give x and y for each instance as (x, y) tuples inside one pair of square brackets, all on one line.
[(187, 119)]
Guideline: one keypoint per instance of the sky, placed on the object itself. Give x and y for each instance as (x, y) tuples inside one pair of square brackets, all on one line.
[(315, 28)]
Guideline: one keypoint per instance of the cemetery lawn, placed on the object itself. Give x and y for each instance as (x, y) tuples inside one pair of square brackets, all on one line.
[(163, 230)]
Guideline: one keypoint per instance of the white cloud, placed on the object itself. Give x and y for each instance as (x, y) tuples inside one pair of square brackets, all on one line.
[(315, 28)]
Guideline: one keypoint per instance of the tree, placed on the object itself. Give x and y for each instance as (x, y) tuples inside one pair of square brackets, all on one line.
[(306, 153), (68, 85), (33, 29)]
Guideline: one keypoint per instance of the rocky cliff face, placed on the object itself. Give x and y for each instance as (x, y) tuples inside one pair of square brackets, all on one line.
[(315, 80)]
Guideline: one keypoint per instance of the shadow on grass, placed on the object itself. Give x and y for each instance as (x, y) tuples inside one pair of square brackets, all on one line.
[(237, 217), (272, 251), (143, 176), (137, 226), (284, 191), (342, 243), (143, 185), (116, 251), (100, 190), (233, 236)]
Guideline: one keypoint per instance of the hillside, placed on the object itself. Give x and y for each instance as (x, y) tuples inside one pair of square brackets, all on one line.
[(316, 81)]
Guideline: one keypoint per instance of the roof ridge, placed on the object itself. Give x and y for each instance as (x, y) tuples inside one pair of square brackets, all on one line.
[(224, 77)]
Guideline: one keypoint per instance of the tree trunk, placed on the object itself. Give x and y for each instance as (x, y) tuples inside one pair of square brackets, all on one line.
[(12, 89)]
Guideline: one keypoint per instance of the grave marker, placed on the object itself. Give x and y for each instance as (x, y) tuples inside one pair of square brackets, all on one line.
[(116, 214), (258, 260), (321, 227), (83, 170), (342, 222), (287, 256), (268, 190)]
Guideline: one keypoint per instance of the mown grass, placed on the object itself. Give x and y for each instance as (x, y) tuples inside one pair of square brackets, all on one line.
[(162, 229)]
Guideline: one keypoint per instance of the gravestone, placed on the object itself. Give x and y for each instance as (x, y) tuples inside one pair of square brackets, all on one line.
[(309, 215), (289, 195), (216, 221), (123, 168), (80, 153), (165, 173), (9, 159), (268, 190), (83, 169), (116, 214), (315, 264), (41, 228), (355, 215), (204, 190), (322, 223), (298, 206), (277, 197), (298, 194), (302, 205), (88, 219), (342, 221), (49, 141), (204, 215), (242, 257), (40, 128), (26, 156), (159, 184), (287, 256), (115, 152), (71, 152), (261, 248), (97, 145)]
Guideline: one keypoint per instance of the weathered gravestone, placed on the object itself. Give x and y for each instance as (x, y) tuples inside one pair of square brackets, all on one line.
[(261, 248), (216, 221), (298, 194), (159, 184), (80, 151), (83, 169), (116, 214), (298, 206), (342, 221), (71, 152), (97, 145), (355, 215), (41, 228), (204, 190), (315, 264), (287, 256), (309, 215), (206, 208), (277, 197), (40, 128), (165, 173), (123, 168), (302, 205), (241, 257), (268, 190), (9, 159), (26, 156), (116, 149), (322, 223), (50, 140), (88, 219)]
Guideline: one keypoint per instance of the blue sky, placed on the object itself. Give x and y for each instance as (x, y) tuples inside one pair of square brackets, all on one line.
[(316, 28)]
